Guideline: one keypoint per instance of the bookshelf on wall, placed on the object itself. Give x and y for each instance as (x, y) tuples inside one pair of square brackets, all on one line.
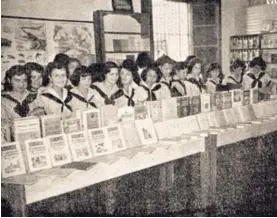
[(269, 52), (121, 35), (247, 47)]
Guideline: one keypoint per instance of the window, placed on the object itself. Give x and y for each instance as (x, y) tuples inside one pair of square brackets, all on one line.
[(171, 29)]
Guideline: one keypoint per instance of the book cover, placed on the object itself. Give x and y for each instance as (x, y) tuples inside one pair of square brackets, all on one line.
[(226, 100), (12, 163), (108, 115), (169, 109), (205, 103), (236, 97), (183, 106), (26, 128), (146, 131), (79, 146), (203, 121), (130, 134), (274, 58), (59, 150), (254, 96), (116, 138), (91, 119), (38, 154), (154, 109), (246, 97), (51, 125), (126, 114), (99, 142), (140, 112), (71, 125), (195, 105)]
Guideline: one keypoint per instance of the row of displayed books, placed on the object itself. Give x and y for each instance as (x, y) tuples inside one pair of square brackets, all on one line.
[(30, 152), (166, 109), (270, 56), (31, 155), (269, 41), (244, 42), (245, 55)]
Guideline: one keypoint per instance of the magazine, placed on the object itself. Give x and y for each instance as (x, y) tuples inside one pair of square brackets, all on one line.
[(99, 141), (125, 114), (146, 131), (116, 138), (71, 125), (59, 150), (154, 109), (79, 146), (51, 125), (91, 119), (38, 154), (12, 163)]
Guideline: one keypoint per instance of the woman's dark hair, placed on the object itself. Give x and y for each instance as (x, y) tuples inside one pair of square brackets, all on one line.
[(213, 66), (143, 60), (189, 58), (146, 70), (164, 60), (17, 70), (258, 61), (70, 60), (97, 72), (193, 62), (32, 66), (108, 66), (61, 58), (236, 64), (55, 65), (130, 65), (78, 73)]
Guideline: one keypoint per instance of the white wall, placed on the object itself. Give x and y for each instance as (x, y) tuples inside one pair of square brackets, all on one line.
[(233, 22), (58, 9)]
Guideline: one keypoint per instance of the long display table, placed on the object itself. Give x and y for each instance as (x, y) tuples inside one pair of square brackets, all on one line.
[(203, 176)]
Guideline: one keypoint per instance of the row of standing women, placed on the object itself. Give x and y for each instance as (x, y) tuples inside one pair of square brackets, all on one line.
[(65, 86)]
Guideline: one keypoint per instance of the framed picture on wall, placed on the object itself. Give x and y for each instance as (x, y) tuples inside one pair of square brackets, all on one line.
[(123, 5)]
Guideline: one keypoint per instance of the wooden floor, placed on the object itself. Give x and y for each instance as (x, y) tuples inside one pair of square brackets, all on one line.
[(246, 185)]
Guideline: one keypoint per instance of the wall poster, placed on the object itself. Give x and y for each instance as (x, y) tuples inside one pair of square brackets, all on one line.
[(33, 40)]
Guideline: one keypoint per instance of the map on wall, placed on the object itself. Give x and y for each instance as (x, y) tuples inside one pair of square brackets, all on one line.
[(75, 40), (27, 40)]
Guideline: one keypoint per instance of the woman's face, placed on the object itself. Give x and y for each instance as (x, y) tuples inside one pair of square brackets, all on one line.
[(85, 82), (58, 77), (126, 76), (182, 74), (19, 83), (196, 70), (256, 69), (151, 77), (36, 79), (72, 66), (166, 69), (112, 76), (238, 71), (214, 74)]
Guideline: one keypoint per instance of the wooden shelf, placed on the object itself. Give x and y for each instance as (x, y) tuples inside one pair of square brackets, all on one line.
[(122, 33), (238, 49), (123, 52), (269, 48)]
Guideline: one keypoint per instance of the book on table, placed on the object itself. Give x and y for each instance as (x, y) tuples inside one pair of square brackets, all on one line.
[(38, 154), (115, 137), (126, 114), (99, 142), (91, 119), (205, 103), (195, 105), (183, 106), (71, 125), (169, 109), (79, 146), (108, 115), (146, 131), (51, 125), (154, 110), (12, 163), (59, 150)]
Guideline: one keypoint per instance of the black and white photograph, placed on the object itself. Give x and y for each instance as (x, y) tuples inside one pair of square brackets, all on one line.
[(138, 108)]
